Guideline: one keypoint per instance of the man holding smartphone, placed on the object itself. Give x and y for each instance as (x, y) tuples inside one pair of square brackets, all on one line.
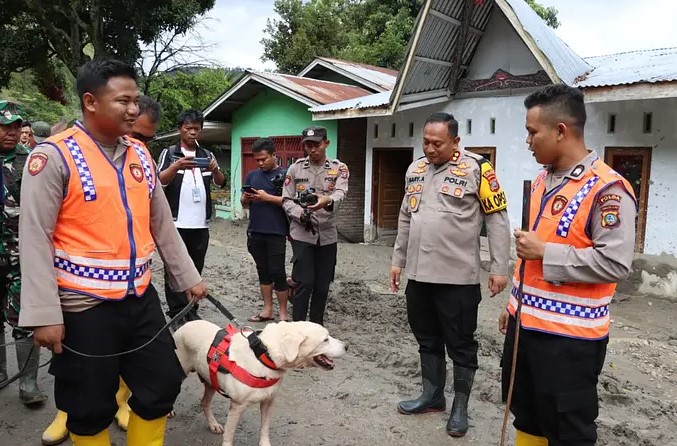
[(268, 227), (186, 171)]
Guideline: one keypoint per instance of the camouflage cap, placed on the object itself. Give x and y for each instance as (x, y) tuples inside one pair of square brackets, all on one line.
[(41, 131), (10, 112)]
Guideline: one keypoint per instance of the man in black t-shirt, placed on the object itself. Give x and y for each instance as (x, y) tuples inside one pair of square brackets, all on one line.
[(268, 227)]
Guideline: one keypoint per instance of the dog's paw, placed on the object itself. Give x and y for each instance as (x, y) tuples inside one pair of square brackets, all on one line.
[(171, 414), (216, 428)]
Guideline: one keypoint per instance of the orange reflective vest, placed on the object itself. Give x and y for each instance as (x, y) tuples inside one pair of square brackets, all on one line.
[(102, 239), (577, 310)]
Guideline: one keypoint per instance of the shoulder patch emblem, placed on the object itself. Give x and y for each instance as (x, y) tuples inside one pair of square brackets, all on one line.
[(36, 163), (490, 176), (137, 172), (287, 180), (610, 218)]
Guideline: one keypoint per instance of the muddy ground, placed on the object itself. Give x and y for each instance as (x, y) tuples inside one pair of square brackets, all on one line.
[(355, 403)]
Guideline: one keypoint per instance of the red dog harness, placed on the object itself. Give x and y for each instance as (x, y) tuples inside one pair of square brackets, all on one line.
[(219, 360)]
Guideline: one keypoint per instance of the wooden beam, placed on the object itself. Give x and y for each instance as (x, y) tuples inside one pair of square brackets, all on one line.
[(437, 62), (468, 6), (453, 21)]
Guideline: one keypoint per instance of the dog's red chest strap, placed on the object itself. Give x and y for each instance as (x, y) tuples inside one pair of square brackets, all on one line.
[(220, 362)]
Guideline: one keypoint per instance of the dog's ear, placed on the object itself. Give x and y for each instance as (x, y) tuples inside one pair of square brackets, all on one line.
[(291, 343)]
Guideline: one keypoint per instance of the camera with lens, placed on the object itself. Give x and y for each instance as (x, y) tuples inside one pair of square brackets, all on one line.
[(306, 198), (278, 183)]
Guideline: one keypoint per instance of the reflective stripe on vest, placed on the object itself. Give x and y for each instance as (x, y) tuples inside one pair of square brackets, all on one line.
[(579, 310), (102, 240)]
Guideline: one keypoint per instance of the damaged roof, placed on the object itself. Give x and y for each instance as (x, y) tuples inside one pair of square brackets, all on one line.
[(644, 66), (374, 78)]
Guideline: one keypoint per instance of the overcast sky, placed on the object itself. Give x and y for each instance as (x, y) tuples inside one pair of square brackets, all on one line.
[(590, 27)]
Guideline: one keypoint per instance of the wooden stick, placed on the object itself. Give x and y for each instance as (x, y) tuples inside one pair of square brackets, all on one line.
[(526, 206)]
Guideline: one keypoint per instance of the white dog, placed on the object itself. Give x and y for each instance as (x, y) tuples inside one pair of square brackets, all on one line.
[(290, 345)]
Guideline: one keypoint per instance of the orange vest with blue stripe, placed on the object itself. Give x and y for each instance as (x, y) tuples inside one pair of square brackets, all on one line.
[(102, 238), (576, 310)]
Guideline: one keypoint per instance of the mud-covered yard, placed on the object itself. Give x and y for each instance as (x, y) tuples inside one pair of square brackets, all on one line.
[(355, 403)]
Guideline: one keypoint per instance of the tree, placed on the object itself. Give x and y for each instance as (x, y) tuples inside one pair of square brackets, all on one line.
[(74, 31), (376, 32), (181, 90), (548, 14)]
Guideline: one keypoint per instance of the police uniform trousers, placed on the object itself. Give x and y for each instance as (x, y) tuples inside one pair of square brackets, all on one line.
[(445, 315), (555, 391), (197, 242), (85, 387), (313, 269)]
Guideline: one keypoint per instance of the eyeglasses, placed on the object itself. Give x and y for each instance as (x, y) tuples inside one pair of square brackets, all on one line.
[(143, 138)]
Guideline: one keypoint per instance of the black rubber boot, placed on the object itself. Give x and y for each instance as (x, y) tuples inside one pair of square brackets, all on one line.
[(433, 376), (457, 425)]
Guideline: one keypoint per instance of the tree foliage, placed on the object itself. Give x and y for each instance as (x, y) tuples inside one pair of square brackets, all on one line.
[(376, 32), (36, 32), (181, 90)]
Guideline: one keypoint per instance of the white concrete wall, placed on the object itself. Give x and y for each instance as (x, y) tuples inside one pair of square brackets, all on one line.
[(501, 48), (514, 163), (661, 237)]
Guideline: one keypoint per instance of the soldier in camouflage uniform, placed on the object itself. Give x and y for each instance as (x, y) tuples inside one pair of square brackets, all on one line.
[(13, 160)]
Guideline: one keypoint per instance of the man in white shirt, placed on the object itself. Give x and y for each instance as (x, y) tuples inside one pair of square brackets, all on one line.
[(186, 171)]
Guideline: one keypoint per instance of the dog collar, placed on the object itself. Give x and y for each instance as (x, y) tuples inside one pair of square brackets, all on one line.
[(219, 361)]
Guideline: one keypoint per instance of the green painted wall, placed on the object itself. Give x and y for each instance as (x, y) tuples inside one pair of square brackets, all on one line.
[(269, 114)]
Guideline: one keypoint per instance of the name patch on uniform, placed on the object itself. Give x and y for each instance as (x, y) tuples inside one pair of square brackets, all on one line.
[(415, 180), (492, 198), (456, 181), (300, 180), (558, 204), (36, 163), (608, 197), (137, 172)]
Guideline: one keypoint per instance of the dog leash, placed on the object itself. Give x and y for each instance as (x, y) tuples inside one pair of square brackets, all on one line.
[(24, 370)]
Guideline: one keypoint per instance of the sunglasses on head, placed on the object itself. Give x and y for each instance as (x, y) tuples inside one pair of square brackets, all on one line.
[(143, 138)]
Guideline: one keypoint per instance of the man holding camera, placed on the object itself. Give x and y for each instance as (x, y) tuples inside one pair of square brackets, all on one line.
[(268, 227), (186, 171), (312, 189)]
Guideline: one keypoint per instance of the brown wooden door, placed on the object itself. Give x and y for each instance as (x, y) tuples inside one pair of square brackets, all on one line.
[(390, 168), (634, 163)]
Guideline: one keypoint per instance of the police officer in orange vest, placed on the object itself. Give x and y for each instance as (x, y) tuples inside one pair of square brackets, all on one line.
[(580, 244), (96, 214)]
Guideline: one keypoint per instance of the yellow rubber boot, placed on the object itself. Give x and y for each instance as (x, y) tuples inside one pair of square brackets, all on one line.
[(524, 439), (122, 415), (57, 432), (100, 439), (146, 432)]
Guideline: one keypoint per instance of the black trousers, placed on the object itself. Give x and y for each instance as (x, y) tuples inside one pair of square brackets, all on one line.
[(85, 387), (314, 268), (555, 392), (197, 241), (268, 252), (445, 315)]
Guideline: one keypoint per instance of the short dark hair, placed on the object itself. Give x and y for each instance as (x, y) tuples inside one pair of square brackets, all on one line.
[(565, 103), (150, 107), (191, 115), (94, 75), (444, 118), (262, 144), (26, 124)]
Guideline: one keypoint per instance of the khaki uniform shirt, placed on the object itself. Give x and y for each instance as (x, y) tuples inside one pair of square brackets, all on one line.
[(330, 179), (610, 259), (41, 198), (438, 233)]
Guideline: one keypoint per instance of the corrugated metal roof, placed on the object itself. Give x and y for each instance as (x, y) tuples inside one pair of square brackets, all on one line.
[(370, 101), (656, 65), (323, 92), (567, 64), (383, 77)]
